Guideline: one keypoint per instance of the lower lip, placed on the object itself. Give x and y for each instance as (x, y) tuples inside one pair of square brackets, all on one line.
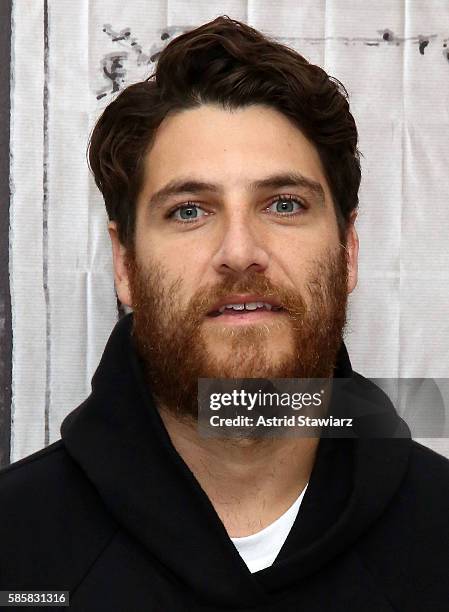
[(246, 318)]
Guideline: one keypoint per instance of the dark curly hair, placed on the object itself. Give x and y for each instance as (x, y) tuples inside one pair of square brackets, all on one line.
[(228, 63)]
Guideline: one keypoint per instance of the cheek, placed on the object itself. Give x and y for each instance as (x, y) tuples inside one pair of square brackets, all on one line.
[(180, 269), (185, 262)]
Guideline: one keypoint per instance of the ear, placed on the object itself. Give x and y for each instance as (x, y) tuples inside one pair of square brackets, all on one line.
[(120, 269), (352, 248)]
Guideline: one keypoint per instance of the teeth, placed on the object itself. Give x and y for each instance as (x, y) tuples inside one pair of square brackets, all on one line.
[(246, 306)]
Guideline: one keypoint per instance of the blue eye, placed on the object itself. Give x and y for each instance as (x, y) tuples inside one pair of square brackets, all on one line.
[(287, 201), (191, 209), (186, 208)]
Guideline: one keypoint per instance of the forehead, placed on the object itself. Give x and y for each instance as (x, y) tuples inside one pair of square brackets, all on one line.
[(231, 148)]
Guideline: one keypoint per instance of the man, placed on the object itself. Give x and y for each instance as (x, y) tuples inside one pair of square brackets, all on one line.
[(231, 182)]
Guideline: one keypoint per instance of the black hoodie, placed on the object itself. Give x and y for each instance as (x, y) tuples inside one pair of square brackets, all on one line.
[(113, 515)]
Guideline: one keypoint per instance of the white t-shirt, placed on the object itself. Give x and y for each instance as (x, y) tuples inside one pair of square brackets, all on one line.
[(260, 549)]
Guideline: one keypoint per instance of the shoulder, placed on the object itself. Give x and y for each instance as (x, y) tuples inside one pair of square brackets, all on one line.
[(422, 497), (48, 510), (425, 489), (407, 550), (43, 461), (423, 522), (47, 479), (426, 454), (428, 469)]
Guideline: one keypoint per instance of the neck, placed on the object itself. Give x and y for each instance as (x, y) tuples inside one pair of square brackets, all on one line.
[(250, 483)]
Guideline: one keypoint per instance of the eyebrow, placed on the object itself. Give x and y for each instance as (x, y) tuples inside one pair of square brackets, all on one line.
[(188, 186)]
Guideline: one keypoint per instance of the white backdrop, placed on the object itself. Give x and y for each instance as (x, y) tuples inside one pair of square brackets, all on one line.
[(68, 60)]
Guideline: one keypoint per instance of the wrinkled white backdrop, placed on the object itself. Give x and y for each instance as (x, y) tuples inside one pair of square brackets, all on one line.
[(68, 60)]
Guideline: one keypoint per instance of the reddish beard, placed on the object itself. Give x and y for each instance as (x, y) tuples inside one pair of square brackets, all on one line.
[(172, 341)]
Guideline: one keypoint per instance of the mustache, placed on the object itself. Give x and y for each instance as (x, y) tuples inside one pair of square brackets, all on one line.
[(208, 298)]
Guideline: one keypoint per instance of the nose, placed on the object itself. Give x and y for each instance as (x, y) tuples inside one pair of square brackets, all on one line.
[(242, 246)]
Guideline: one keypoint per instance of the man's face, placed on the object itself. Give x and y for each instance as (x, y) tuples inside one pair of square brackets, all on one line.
[(248, 232)]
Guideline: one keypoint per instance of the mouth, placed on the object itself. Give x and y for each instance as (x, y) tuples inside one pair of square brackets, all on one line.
[(243, 315), (233, 312), (245, 303)]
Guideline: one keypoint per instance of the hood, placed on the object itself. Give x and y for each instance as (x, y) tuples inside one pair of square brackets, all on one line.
[(118, 439)]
